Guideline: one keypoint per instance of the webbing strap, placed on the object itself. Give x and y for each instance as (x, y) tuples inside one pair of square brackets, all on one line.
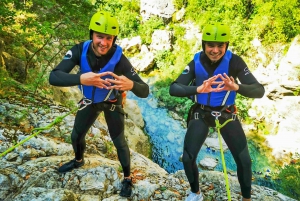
[(217, 114)]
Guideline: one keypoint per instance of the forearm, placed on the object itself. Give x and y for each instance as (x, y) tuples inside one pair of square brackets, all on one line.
[(63, 79), (251, 91), (180, 90), (140, 89)]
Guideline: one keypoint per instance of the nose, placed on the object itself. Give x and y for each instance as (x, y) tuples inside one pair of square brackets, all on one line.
[(103, 41), (215, 49)]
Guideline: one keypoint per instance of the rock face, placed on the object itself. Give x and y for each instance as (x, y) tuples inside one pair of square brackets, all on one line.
[(162, 9), (277, 110), (29, 172), (100, 179)]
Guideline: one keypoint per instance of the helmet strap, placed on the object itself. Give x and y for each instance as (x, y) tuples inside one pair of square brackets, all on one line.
[(115, 38), (91, 34)]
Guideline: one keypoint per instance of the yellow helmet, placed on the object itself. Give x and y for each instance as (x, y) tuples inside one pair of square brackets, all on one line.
[(104, 22), (216, 32)]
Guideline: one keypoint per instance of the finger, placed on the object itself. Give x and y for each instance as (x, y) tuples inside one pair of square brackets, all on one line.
[(217, 82), (222, 77), (219, 76), (101, 86), (220, 87), (101, 74), (112, 81), (103, 82), (205, 84), (114, 75), (213, 78), (118, 87), (226, 76)]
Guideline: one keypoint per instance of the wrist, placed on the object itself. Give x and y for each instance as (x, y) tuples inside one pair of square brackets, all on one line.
[(199, 89), (236, 87), (132, 85)]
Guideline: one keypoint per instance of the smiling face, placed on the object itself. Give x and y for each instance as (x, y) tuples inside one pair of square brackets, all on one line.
[(102, 43), (215, 50)]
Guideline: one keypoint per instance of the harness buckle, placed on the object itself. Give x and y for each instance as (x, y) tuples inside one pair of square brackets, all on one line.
[(202, 106), (216, 114), (233, 116), (113, 107), (196, 115)]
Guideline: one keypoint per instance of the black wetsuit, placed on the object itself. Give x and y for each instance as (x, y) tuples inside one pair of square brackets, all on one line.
[(232, 133), (60, 76)]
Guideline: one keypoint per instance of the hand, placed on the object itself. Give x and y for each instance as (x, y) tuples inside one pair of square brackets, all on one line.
[(121, 83), (206, 87), (228, 83), (94, 79)]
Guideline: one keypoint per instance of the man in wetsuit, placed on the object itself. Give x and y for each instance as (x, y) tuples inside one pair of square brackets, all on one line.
[(105, 73), (214, 73)]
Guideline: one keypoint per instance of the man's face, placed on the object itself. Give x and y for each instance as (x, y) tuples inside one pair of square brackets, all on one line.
[(215, 50), (102, 42)]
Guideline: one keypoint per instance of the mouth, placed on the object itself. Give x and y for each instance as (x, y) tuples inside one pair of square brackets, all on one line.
[(102, 48), (215, 55)]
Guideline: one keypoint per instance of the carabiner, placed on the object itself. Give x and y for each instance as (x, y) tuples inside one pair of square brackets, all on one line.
[(216, 114), (83, 103)]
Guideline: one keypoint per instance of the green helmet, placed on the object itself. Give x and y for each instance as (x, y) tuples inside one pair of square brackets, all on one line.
[(104, 22), (216, 32)]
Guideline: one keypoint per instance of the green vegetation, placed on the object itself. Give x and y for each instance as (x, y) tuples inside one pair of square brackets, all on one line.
[(290, 178), (38, 33), (243, 104), (271, 22), (39, 39)]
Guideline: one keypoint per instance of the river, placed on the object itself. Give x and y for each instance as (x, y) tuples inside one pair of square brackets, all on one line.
[(167, 135)]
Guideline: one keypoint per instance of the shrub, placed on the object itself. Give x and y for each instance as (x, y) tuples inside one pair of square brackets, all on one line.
[(289, 177)]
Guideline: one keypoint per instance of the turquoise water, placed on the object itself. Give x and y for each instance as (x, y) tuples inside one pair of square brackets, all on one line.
[(167, 136)]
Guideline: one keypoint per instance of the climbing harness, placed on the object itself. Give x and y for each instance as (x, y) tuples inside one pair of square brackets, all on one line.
[(228, 113), (218, 114)]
